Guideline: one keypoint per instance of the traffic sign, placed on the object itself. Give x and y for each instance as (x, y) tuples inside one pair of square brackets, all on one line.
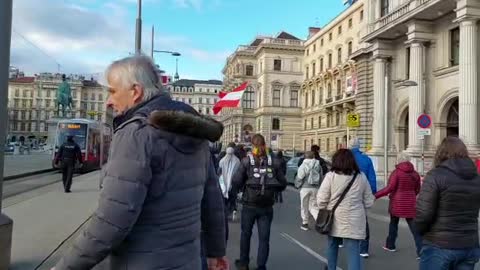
[(424, 132), (424, 121), (353, 120)]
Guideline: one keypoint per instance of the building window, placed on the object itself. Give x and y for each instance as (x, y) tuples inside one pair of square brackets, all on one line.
[(339, 87), (321, 64), (277, 64), (321, 42), (350, 23), (23, 115), (48, 94), (307, 72), (305, 126), (361, 15), (17, 92), (92, 97), (313, 70), (311, 124), (22, 126), (208, 110), (384, 7), (92, 106), (47, 103), (100, 97), (455, 47), (249, 70), (319, 122), (314, 47), (249, 98), (329, 90), (350, 48), (276, 97), (189, 101), (200, 100), (307, 52), (330, 60), (340, 30), (339, 59), (294, 97), (330, 36), (24, 103), (337, 119), (208, 100), (407, 66), (313, 98), (275, 124), (320, 95)]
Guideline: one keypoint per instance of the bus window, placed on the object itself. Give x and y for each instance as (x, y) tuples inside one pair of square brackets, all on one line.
[(79, 131)]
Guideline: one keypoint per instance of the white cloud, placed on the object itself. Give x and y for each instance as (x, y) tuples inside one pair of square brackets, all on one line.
[(196, 4)]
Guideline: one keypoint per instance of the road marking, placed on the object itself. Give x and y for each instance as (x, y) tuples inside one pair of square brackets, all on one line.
[(307, 249)]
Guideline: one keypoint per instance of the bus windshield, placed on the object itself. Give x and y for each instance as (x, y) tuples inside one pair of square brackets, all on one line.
[(79, 131)]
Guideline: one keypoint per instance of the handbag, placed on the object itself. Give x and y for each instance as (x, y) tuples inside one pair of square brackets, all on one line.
[(324, 222)]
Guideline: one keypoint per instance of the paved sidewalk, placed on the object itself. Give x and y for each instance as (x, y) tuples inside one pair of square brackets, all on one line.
[(44, 222)]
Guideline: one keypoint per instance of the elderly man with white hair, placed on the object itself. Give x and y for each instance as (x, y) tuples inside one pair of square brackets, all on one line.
[(159, 187)]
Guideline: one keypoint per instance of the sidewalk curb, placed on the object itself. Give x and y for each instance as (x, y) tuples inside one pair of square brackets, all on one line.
[(13, 177)]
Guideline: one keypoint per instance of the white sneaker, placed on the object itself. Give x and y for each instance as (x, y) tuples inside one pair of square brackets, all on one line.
[(364, 255), (234, 215), (340, 246)]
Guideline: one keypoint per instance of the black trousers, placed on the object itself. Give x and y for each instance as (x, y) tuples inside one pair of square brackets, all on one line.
[(68, 166)]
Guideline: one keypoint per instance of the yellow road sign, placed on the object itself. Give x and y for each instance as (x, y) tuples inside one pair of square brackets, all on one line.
[(353, 120)]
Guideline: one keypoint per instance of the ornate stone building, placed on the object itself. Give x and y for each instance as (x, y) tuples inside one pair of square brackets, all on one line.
[(271, 104), (200, 94), (426, 61), (31, 102), (334, 67)]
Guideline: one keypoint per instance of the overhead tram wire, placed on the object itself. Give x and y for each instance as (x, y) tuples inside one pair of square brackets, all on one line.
[(38, 48)]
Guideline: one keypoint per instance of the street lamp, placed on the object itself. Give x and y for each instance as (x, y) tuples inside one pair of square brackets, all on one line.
[(176, 54)]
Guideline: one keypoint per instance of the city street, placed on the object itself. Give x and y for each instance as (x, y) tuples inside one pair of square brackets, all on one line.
[(20, 164)]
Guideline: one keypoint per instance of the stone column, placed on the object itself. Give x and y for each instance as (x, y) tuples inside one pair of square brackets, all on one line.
[(378, 104), (415, 100), (468, 95)]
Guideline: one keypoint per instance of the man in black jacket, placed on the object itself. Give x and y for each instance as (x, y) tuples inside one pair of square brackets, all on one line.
[(68, 154), (447, 210), (260, 177)]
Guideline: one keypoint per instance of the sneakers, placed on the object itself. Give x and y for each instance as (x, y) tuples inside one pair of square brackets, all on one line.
[(304, 227), (389, 249), (340, 246), (364, 255)]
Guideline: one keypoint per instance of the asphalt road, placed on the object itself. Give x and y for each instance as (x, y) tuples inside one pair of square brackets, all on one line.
[(292, 248)]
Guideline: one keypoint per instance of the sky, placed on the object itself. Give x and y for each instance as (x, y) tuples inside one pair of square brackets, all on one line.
[(84, 36)]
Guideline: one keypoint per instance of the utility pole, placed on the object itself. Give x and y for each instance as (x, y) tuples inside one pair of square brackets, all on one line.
[(6, 223), (138, 29), (153, 41)]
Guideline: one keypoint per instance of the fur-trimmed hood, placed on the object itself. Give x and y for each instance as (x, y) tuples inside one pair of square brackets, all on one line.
[(176, 118), (191, 125)]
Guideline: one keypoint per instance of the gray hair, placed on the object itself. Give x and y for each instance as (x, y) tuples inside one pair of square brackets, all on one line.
[(137, 69), (402, 157)]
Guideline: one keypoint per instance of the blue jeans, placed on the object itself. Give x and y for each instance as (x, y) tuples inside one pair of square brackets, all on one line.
[(353, 249), (365, 244), (263, 217), (393, 233), (434, 258)]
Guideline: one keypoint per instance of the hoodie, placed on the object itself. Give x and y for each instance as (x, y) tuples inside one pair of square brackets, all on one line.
[(305, 172)]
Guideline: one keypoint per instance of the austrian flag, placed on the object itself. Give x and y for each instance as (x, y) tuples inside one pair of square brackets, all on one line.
[(230, 99)]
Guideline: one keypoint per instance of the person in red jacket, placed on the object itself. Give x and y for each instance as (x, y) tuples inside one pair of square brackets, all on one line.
[(477, 163), (403, 187)]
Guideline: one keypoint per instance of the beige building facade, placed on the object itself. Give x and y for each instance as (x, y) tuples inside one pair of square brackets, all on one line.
[(334, 82), (31, 103), (272, 66), (200, 94), (426, 59)]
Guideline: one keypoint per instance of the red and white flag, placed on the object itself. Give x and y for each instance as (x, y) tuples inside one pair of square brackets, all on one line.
[(230, 99)]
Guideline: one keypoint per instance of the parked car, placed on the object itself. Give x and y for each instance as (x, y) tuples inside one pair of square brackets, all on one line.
[(9, 148), (292, 168)]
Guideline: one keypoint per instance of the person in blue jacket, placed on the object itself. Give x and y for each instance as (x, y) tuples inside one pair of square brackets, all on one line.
[(366, 166)]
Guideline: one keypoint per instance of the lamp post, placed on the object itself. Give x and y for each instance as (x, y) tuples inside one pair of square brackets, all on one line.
[(138, 29), (6, 223), (176, 54)]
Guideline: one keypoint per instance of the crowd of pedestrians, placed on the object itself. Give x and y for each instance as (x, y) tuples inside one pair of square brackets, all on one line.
[(168, 192)]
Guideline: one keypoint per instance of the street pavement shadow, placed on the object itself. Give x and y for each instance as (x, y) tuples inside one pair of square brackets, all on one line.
[(82, 190)]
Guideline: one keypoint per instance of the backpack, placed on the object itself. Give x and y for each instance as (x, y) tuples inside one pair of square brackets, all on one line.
[(315, 177)]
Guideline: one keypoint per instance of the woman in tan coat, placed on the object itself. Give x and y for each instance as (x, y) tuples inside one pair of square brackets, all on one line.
[(349, 221)]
